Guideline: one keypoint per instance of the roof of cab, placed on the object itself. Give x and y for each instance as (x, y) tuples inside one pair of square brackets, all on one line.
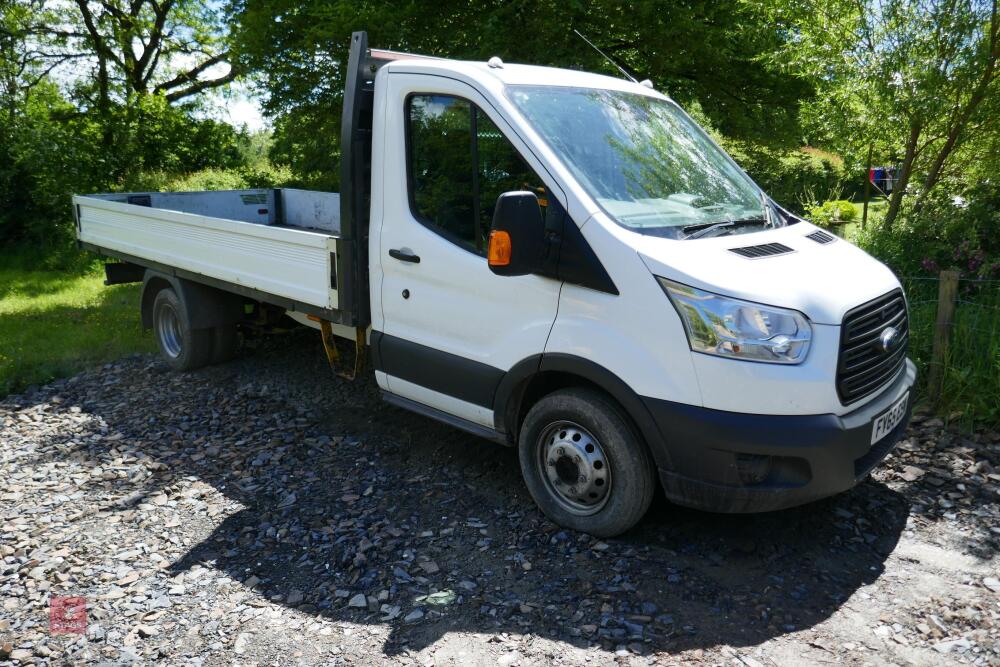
[(512, 74)]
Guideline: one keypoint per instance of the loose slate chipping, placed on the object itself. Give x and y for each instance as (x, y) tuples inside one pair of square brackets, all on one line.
[(267, 512)]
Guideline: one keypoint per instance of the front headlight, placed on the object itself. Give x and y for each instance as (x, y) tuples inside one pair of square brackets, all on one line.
[(739, 329)]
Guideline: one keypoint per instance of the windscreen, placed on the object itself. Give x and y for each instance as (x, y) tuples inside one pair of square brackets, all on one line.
[(650, 167)]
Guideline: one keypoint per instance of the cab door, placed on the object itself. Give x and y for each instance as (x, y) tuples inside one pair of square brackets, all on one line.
[(446, 328)]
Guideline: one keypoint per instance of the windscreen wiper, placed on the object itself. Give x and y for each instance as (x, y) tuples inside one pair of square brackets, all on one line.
[(698, 230)]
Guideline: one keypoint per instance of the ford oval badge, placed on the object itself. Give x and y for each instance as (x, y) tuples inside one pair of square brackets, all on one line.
[(889, 338)]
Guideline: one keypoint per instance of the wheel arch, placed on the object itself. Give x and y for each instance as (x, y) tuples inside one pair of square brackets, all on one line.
[(152, 283), (207, 307), (538, 375)]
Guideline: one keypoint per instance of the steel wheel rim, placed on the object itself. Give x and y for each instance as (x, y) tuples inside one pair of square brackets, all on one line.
[(574, 468), (168, 329)]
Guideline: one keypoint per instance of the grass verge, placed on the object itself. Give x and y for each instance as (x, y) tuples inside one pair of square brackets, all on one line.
[(55, 322)]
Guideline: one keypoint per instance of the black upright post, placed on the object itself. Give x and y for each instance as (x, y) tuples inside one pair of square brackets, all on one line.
[(355, 181)]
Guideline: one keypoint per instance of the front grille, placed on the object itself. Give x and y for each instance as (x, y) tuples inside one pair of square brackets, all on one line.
[(762, 250), (864, 366)]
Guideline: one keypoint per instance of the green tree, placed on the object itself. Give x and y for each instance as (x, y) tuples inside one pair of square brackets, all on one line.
[(700, 50), (171, 47), (50, 150), (915, 80), (52, 143), (113, 54)]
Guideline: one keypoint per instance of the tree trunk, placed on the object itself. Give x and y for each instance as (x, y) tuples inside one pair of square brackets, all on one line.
[(868, 187), (903, 178), (104, 102)]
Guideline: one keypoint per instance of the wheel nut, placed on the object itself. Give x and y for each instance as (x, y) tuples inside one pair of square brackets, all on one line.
[(572, 490), (578, 459), (551, 462), (560, 451)]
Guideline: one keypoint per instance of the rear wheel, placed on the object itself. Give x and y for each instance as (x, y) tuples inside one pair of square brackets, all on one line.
[(584, 464), (182, 347)]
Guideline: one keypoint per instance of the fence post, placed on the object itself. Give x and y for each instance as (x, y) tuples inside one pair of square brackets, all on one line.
[(947, 293)]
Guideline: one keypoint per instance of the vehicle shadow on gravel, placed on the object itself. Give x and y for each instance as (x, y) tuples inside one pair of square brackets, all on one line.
[(350, 509), (681, 580)]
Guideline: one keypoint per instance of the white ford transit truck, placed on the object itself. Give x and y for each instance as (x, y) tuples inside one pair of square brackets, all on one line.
[(562, 262)]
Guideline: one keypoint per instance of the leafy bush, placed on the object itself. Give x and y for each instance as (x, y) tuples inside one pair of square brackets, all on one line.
[(832, 212), (309, 139), (209, 179), (949, 232), (147, 181), (50, 150), (46, 152), (796, 178), (263, 175), (266, 175), (158, 136)]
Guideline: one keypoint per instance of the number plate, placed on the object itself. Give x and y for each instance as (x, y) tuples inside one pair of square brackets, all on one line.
[(889, 419)]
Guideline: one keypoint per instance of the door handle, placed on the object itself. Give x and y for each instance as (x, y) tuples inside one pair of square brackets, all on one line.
[(404, 255)]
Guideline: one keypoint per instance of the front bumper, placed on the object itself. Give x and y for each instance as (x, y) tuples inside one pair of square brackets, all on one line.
[(734, 462)]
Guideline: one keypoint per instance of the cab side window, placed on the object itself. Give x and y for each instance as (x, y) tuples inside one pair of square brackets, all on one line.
[(459, 163), (500, 170), (441, 164)]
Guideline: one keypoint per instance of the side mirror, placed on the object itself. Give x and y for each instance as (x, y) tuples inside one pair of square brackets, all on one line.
[(517, 236)]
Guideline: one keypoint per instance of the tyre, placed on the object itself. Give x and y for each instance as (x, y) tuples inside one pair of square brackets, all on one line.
[(225, 343), (182, 347), (584, 464)]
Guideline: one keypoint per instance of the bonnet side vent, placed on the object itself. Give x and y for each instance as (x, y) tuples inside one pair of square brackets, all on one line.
[(820, 237), (763, 250)]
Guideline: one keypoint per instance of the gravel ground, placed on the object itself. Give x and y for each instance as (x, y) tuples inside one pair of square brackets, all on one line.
[(262, 512)]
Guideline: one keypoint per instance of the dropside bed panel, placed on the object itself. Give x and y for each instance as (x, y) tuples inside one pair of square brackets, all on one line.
[(294, 263)]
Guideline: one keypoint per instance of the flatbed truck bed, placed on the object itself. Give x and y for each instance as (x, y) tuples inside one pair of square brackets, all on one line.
[(277, 246)]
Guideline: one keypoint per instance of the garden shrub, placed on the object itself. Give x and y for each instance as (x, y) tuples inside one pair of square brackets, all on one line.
[(950, 231), (49, 151), (262, 175), (957, 232), (796, 178), (209, 179), (832, 212)]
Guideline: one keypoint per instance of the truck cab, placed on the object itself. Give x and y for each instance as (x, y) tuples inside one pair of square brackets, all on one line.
[(751, 353)]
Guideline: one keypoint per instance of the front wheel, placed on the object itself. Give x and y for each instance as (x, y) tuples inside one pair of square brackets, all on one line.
[(584, 464)]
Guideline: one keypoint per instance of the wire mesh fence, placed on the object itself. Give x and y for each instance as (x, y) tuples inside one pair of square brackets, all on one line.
[(955, 342)]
